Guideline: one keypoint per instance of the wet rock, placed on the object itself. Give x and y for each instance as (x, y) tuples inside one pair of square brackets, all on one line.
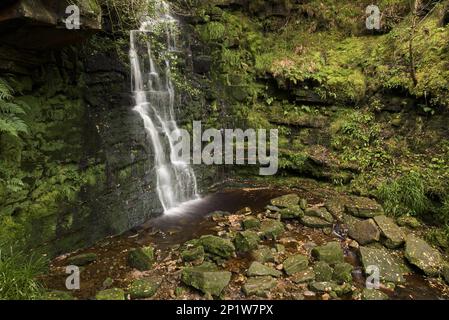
[(194, 254), (295, 264), (286, 201), (304, 276), (393, 237), (315, 222), (323, 271), (319, 213), (58, 295), (331, 253), (143, 288), (262, 254), (324, 286), (372, 294), (364, 232), (259, 286), (246, 240), (141, 258), (251, 223), (422, 255), (342, 272), (410, 222), (82, 259), (258, 269), (391, 268), (206, 278), (111, 294), (271, 229), (364, 208), (292, 212), (217, 246)]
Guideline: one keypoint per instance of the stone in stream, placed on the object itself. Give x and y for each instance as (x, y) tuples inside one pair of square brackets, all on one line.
[(262, 254), (331, 253), (422, 255), (258, 269), (364, 232), (342, 272), (323, 271), (286, 201), (293, 212), (82, 259), (206, 278), (364, 208), (410, 222), (111, 294), (304, 276), (315, 222), (393, 236), (391, 268), (319, 212), (193, 254), (295, 264), (246, 240), (141, 258), (143, 288), (251, 223), (217, 246), (372, 294), (271, 229), (259, 286)]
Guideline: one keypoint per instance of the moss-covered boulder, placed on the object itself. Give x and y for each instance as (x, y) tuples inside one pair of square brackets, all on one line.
[(141, 258), (295, 264), (251, 223), (259, 269), (392, 235), (82, 259), (293, 212), (315, 222), (262, 254), (206, 278), (319, 212), (364, 231), (143, 288), (323, 271), (286, 201), (217, 246), (322, 286), (271, 229), (422, 255), (193, 254), (408, 221), (331, 253), (111, 294), (246, 240), (391, 267), (304, 276), (342, 272), (259, 286), (364, 208)]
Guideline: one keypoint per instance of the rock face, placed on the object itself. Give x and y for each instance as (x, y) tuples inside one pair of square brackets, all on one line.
[(206, 278), (258, 269), (422, 255), (392, 235), (295, 264), (391, 269), (259, 286), (364, 232), (217, 246), (330, 253)]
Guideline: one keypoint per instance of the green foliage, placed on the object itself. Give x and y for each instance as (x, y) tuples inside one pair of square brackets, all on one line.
[(11, 113)]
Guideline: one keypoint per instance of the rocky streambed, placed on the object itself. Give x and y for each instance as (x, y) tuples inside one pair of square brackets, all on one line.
[(302, 243)]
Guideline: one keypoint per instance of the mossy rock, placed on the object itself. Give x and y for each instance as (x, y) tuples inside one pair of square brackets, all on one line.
[(330, 253), (111, 294), (141, 259), (218, 246), (206, 278), (143, 288), (295, 264), (364, 231), (391, 268), (262, 254), (323, 271), (393, 236), (259, 269), (342, 272), (271, 229), (259, 286), (194, 254), (251, 223), (304, 276), (422, 255), (82, 259), (293, 212), (286, 201), (372, 294), (58, 295), (246, 240)]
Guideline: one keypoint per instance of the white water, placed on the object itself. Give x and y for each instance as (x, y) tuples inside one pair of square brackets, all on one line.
[(154, 97)]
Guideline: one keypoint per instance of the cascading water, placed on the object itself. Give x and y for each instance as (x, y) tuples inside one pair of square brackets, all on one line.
[(154, 97)]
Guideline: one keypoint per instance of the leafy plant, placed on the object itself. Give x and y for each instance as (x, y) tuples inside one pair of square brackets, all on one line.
[(10, 113)]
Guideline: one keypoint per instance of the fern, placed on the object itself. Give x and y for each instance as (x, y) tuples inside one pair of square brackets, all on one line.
[(10, 121)]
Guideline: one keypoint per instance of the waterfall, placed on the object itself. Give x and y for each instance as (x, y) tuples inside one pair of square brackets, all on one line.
[(154, 97)]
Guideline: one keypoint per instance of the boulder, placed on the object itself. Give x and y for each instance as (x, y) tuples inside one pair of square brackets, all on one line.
[(331, 253), (364, 208), (259, 286), (258, 269), (82, 259), (246, 240), (251, 223), (304, 276), (323, 271), (342, 272), (295, 264), (217, 246), (323, 286), (315, 222), (392, 234), (271, 229), (111, 294), (141, 258), (262, 254), (286, 201), (194, 254), (293, 212), (408, 221), (143, 288), (206, 278), (364, 232), (372, 294), (391, 268), (319, 212), (420, 254)]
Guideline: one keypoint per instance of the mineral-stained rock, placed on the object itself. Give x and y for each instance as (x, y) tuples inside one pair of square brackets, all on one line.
[(304, 276), (271, 229), (82, 259), (259, 286), (286, 201), (392, 235), (246, 240), (342, 272), (422, 255), (323, 271), (251, 223), (194, 254), (206, 278), (364, 208), (111, 294), (295, 264), (143, 288), (391, 268), (292, 212), (364, 232), (258, 269), (217, 246), (315, 222), (372, 294), (141, 258), (262, 254), (331, 253)]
